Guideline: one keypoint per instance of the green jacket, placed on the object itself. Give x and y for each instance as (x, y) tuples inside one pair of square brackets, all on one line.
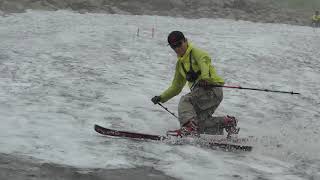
[(200, 61), (316, 17)]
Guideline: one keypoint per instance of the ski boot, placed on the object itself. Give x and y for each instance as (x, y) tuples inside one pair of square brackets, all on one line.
[(190, 128), (230, 124)]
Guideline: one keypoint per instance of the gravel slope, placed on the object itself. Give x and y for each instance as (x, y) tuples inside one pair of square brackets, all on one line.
[(268, 11)]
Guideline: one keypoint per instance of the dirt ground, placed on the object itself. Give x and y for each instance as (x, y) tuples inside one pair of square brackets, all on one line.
[(268, 11), (27, 168)]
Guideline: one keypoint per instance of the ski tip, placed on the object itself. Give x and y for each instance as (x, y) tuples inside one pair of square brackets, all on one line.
[(96, 126)]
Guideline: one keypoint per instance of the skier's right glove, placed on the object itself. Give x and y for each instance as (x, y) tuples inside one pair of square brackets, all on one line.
[(156, 99), (203, 83)]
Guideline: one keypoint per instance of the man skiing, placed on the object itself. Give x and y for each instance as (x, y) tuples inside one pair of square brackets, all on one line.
[(316, 19), (195, 109)]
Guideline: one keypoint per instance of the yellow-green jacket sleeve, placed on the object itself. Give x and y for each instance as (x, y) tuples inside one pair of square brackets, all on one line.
[(176, 87), (314, 18)]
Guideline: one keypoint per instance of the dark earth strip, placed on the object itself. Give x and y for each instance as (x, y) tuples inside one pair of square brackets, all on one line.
[(297, 12), (27, 168)]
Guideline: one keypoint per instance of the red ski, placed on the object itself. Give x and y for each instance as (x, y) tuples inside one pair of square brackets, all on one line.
[(112, 132), (221, 144)]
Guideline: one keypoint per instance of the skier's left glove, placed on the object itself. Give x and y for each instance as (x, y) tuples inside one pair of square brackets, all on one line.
[(156, 99)]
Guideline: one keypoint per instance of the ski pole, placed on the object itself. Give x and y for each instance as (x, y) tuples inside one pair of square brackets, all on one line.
[(255, 89), (168, 110)]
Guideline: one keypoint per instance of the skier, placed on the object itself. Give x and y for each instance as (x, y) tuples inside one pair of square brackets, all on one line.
[(316, 19), (195, 109)]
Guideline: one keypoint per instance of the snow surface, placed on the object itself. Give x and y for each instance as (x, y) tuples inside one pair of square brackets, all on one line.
[(62, 72)]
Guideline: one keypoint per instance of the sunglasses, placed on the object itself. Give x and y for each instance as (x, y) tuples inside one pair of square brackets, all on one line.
[(176, 45)]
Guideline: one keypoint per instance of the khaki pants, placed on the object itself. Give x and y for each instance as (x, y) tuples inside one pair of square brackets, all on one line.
[(199, 105)]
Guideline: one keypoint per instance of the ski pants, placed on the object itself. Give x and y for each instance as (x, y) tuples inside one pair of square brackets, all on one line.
[(199, 105)]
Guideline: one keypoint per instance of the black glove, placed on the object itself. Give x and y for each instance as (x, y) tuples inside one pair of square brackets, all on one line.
[(156, 99), (203, 83)]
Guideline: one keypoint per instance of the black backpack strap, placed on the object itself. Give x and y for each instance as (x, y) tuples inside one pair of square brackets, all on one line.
[(184, 68), (191, 69), (190, 57)]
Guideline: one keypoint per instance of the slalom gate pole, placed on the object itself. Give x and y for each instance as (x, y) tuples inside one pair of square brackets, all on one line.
[(167, 110), (255, 89)]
